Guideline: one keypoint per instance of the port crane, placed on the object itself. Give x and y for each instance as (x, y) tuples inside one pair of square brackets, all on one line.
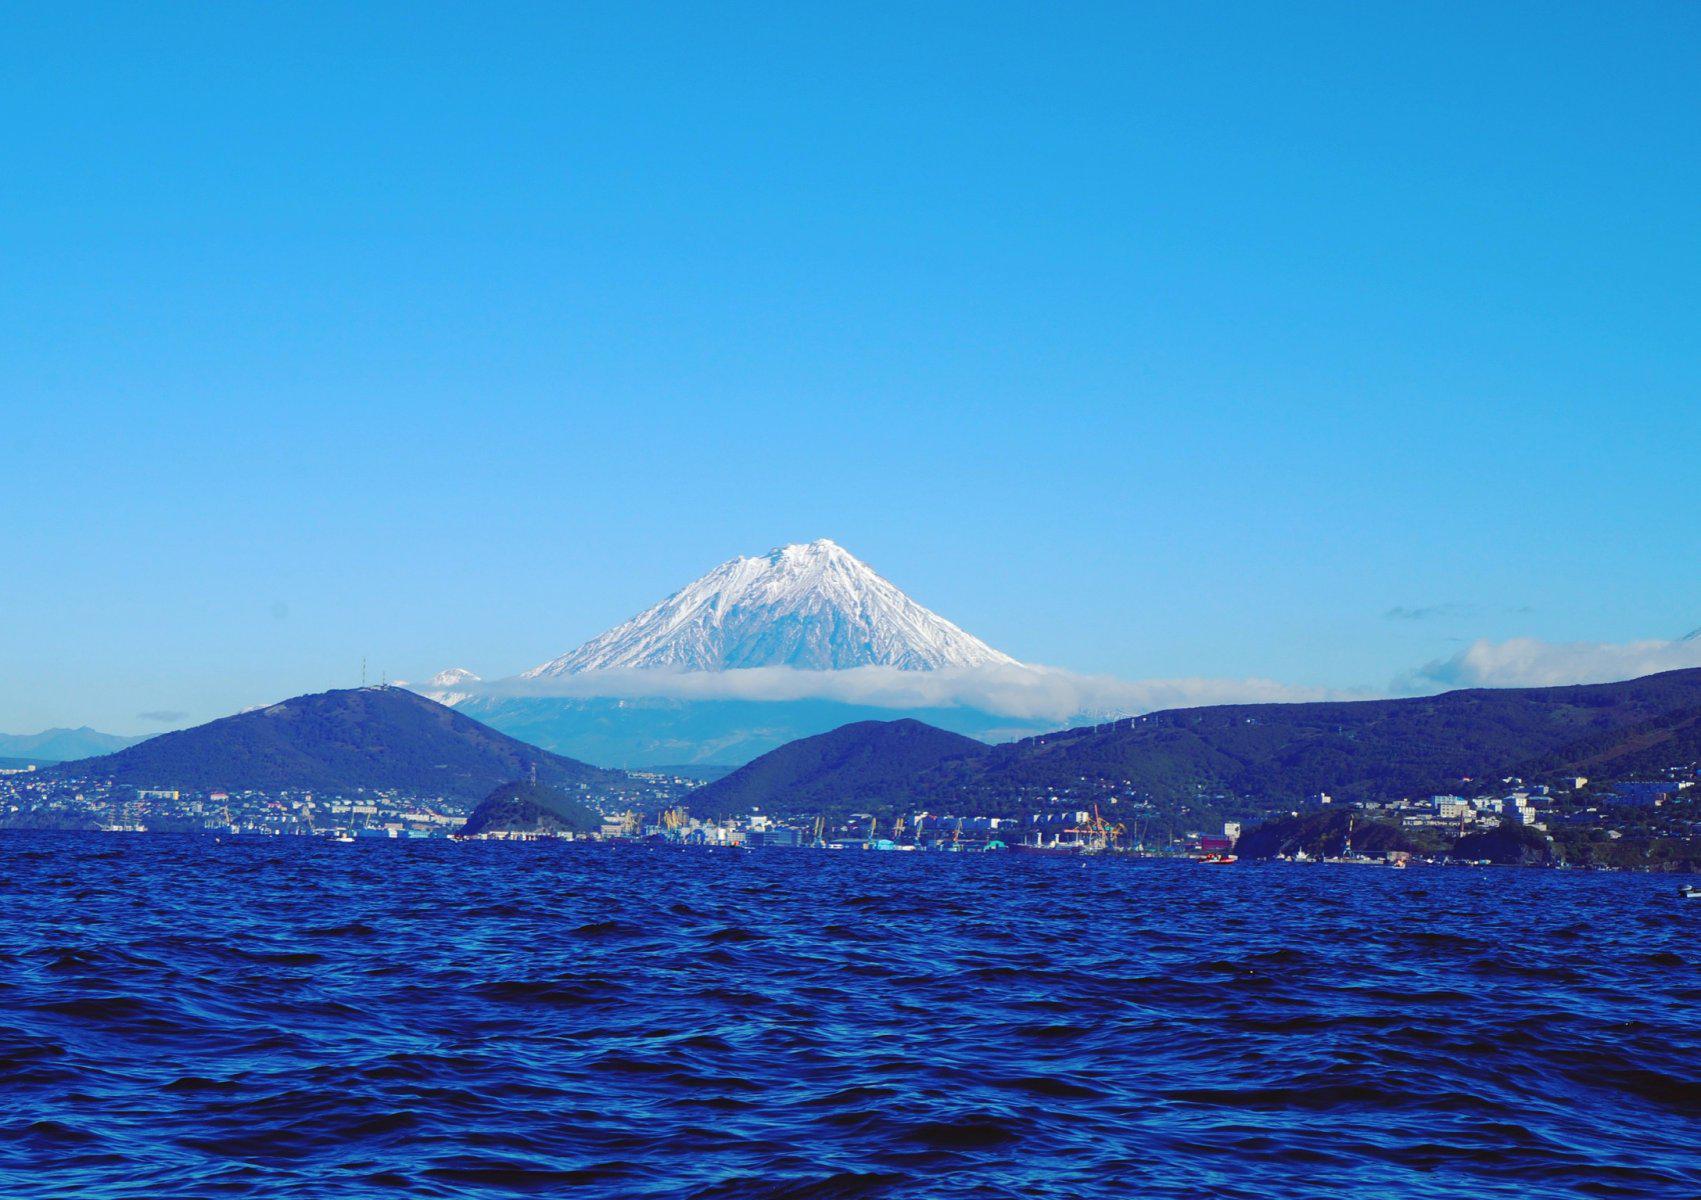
[(1098, 833)]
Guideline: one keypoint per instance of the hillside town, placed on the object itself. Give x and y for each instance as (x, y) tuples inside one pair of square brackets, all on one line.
[(32, 799), (1578, 820)]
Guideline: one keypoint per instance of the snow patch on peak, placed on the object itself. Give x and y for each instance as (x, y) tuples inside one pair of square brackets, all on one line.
[(811, 606), (451, 677), (449, 687)]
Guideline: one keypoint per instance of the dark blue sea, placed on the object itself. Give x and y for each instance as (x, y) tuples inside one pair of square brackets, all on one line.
[(285, 1019)]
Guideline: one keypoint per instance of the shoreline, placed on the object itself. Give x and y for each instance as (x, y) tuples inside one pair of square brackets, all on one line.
[(246, 838)]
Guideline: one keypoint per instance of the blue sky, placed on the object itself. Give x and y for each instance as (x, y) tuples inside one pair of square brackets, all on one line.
[(1156, 341)]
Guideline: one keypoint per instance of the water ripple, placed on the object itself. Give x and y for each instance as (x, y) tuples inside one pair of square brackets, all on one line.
[(302, 1019)]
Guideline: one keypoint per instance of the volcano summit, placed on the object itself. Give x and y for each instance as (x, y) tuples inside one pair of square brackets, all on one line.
[(809, 610), (813, 607)]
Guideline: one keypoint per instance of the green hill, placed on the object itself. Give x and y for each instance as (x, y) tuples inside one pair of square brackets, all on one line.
[(526, 807), (1365, 750), (1239, 758), (869, 765), (373, 738), (1672, 739)]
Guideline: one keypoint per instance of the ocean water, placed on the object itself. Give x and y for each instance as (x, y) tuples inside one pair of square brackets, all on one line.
[(306, 1019)]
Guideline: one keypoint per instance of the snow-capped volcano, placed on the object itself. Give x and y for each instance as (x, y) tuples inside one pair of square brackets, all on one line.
[(449, 687), (810, 606)]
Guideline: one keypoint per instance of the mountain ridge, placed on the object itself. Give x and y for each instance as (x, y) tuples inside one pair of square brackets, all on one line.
[(61, 744), (864, 763), (381, 738), (1371, 749), (1283, 753)]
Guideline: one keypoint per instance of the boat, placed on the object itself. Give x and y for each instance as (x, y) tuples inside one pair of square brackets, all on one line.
[(1689, 892), (1217, 860)]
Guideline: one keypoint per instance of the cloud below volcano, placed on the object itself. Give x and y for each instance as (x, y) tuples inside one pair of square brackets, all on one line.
[(1029, 692)]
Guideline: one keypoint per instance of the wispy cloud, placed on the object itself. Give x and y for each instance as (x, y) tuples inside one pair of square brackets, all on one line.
[(1529, 662), (1028, 692), (165, 716), (1449, 609), (1429, 612)]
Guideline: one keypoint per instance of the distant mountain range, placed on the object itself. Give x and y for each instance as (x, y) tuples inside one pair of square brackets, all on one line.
[(1235, 755), (811, 607), (60, 745), (1261, 753), (376, 738)]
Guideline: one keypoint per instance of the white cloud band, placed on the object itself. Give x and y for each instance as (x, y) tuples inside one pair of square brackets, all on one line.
[(1529, 662), (1028, 692)]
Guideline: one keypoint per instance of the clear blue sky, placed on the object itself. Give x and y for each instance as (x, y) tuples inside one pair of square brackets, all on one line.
[(1160, 340)]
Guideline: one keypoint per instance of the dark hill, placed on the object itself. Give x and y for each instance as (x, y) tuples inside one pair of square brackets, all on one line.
[(1516, 845), (1253, 756), (1375, 749), (375, 738), (526, 807), (1672, 739), (866, 765)]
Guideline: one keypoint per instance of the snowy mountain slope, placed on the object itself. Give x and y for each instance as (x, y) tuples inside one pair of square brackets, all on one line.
[(812, 607), (449, 687)]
